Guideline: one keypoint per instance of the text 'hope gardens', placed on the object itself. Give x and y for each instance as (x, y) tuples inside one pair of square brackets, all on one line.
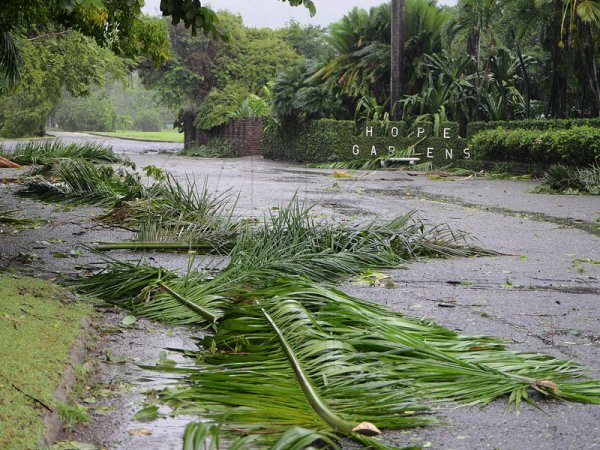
[(424, 146)]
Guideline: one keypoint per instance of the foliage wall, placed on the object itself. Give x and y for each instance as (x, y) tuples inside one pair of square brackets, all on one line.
[(330, 140), (506, 148), (537, 124), (576, 146)]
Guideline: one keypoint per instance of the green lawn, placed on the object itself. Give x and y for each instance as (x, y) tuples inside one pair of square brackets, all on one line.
[(165, 135), (38, 327)]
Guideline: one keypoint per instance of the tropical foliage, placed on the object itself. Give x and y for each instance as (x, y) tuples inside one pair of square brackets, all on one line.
[(561, 179), (216, 78), (46, 71), (480, 61)]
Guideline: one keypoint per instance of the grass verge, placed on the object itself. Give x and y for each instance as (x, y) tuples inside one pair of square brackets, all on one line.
[(38, 328), (166, 135)]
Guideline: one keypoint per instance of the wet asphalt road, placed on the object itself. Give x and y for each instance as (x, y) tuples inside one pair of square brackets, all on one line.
[(118, 145), (543, 298)]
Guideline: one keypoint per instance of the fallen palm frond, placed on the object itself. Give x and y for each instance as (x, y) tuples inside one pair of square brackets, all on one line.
[(290, 242), (297, 354), (357, 164), (380, 162), (42, 152), (155, 292), (178, 215), (251, 384), (77, 181), (561, 179)]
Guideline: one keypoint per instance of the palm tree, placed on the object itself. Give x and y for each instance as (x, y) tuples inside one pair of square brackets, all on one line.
[(10, 60), (362, 64), (474, 19)]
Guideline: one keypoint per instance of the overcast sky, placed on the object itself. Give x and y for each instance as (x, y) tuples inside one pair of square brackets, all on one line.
[(274, 13)]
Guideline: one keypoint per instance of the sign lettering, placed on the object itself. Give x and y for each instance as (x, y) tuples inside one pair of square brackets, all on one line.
[(421, 133)]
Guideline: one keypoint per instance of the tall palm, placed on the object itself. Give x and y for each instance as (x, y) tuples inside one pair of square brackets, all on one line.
[(361, 41), (474, 19)]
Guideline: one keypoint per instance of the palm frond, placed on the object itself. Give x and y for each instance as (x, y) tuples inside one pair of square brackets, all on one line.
[(179, 214), (43, 152), (10, 59), (155, 293), (297, 354), (77, 181), (261, 381)]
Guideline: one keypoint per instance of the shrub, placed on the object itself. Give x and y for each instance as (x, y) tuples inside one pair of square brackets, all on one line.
[(214, 148), (23, 116), (123, 122), (537, 124), (577, 146), (92, 113), (219, 105), (571, 180), (148, 120)]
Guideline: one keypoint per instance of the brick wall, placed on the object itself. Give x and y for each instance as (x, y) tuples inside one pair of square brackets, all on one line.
[(244, 134)]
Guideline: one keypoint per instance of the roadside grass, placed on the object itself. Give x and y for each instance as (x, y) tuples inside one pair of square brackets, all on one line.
[(165, 135), (38, 327)]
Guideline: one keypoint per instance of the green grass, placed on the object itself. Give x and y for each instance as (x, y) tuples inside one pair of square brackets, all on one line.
[(165, 135), (38, 328)]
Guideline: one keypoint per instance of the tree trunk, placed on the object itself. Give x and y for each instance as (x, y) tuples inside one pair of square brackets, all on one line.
[(525, 73), (189, 130), (558, 90), (474, 44), (557, 102), (397, 57), (593, 70)]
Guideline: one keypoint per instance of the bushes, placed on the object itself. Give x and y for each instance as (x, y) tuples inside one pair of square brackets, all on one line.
[(577, 146), (538, 124), (93, 113), (571, 180)]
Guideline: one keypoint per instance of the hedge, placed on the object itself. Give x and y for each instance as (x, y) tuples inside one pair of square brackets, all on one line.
[(538, 124), (576, 146), (330, 140)]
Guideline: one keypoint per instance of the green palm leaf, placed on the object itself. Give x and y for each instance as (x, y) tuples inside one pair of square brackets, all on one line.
[(78, 181)]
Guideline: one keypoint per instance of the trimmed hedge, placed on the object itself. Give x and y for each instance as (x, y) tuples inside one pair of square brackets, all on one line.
[(538, 124), (330, 141), (576, 146)]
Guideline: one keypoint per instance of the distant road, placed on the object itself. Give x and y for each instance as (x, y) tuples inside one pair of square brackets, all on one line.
[(118, 145)]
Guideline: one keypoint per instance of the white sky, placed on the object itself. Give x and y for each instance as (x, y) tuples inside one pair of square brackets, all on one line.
[(274, 13)]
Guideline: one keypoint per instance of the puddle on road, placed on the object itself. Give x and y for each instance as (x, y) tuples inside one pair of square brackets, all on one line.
[(119, 387)]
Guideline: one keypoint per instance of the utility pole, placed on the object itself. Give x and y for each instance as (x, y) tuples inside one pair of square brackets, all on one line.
[(397, 56)]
